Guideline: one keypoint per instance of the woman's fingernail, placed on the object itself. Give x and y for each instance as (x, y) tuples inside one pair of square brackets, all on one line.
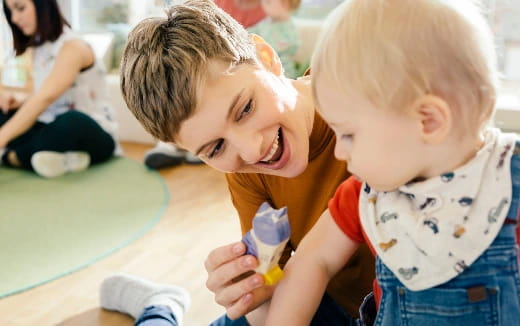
[(248, 262), (247, 298), (237, 249), (255, 281)]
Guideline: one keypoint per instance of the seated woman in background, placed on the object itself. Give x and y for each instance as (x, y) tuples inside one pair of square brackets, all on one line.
[(66, 123)]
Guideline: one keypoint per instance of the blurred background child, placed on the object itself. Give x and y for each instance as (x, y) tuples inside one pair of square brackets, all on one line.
[(279, 31), (246, 12)]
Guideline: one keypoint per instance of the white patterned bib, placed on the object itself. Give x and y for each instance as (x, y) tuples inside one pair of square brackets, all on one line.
[(428, 232)]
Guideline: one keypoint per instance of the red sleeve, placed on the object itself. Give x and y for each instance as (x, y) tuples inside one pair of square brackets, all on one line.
[(344, 209)]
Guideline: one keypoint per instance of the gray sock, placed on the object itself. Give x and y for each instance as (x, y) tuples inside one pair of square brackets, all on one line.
[(131, 295)]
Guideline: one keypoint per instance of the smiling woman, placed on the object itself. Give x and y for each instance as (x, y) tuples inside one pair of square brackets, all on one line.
[(262, 114), (216, 91)]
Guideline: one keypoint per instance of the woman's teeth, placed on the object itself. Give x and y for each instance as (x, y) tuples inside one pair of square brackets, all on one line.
[(273, 150)]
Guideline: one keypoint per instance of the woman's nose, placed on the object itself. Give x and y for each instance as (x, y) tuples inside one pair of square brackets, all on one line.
[(15, 18), (249, 148)]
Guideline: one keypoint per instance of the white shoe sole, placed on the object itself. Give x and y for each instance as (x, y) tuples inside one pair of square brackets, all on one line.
[(50, 164)]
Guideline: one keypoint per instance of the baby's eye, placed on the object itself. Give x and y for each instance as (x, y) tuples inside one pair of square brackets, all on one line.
[(247, 109), (217, 149)]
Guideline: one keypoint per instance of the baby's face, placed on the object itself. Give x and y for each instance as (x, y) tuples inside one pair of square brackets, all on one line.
[(381, 146)]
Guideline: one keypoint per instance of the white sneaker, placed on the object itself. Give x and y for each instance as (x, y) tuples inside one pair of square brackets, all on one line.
[(50, 164)]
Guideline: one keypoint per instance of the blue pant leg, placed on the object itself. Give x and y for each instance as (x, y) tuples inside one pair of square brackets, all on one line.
[(329, 313), (225, 321), (156, 316)]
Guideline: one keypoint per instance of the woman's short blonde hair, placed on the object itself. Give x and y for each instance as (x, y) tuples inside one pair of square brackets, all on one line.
[(166, 60), (393, 51)]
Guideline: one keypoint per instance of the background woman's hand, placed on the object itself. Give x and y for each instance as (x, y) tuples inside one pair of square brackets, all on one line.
[(7, 101), (11, 100), (231, 278)]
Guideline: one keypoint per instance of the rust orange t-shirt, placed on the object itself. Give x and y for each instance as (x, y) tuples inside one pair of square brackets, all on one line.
[(306, 197)]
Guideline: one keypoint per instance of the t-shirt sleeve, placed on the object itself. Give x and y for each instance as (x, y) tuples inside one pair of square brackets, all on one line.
[(344, 209)]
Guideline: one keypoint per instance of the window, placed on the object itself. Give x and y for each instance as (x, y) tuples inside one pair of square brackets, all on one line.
[(504, 18)]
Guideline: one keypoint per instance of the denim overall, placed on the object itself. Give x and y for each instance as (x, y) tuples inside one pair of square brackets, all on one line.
[(487, 293)]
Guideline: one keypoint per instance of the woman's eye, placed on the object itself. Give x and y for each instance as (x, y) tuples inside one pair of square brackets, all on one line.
[(348, 137), (247, 109), (217, 149)]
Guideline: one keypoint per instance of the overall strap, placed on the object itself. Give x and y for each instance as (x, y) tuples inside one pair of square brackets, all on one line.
[(513, 216)]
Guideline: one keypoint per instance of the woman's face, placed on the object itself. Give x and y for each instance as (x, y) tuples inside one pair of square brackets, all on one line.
[(249, 120), (23, 15)]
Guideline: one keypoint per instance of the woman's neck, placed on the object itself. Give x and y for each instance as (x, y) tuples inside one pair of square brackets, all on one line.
[(305, 100)]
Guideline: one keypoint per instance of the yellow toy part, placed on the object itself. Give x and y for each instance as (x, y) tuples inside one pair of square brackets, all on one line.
[(273, 275)]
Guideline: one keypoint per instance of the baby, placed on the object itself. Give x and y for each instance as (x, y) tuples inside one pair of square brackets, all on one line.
[(409, 87)]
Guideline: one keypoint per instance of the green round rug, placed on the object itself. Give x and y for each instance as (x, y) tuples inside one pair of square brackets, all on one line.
[(52, 227)]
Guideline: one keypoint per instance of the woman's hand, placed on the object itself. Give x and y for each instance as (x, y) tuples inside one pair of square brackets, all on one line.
[(8, 101), (231, 278)]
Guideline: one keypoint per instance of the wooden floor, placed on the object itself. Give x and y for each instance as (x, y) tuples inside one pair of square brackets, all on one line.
[(199, 218)]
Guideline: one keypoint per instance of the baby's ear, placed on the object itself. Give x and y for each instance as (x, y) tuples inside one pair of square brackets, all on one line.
[(435, 117), (267, 55)]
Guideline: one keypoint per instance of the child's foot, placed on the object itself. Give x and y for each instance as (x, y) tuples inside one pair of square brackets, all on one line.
[(54, 164), (131, 295)]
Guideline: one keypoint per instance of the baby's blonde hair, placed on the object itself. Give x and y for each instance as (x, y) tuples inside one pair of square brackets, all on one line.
[(393, 51)]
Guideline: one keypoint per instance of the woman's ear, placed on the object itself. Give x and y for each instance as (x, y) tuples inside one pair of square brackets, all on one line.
[(435, 118), (267, 55)]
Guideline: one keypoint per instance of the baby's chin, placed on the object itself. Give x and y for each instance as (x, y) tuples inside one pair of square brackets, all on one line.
[(379, 187)]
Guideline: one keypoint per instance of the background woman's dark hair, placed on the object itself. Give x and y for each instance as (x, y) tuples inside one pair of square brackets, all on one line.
[(49, 25)]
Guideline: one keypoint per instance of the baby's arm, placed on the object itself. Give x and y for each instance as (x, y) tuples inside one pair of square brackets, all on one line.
[(320, 255)]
